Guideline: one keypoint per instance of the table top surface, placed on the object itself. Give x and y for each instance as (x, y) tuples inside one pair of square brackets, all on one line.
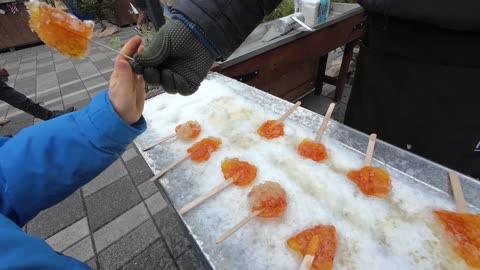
[(254, 45), (226, 109)]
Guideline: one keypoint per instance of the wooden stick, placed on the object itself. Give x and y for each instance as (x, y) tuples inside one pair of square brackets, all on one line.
[(290, 111), (302, 23), (458, 193), (324, 124), (311, 251), (108, 48), (206, 195), (307, 262), (166, 169), (150, 146), (370, 148), (238, 226)]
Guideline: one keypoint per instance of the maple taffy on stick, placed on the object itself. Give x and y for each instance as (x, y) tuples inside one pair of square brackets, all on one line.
[(187, 131), (199, 152), (235, 171), (267, 200)]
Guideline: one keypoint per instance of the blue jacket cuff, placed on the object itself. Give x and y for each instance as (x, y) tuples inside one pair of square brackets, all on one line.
[(111, 130)]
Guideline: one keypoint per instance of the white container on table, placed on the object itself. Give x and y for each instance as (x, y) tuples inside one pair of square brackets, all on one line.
[(315, 11), (311, 11), (297, 5)]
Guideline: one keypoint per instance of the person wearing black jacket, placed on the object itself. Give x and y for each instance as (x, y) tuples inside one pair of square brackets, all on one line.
[(20, 101), (416, 77)]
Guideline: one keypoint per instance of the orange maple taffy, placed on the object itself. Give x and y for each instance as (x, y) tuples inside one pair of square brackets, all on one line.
[(271, 129), (60, 30), (312, 150), (313, 245), (270, 197), (327, 247), (201, 151), (242, 172), (372, 181), (188, 131), (464, 232)]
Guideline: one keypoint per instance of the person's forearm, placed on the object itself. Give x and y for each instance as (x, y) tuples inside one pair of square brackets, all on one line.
[(226, 23), (45, 163)]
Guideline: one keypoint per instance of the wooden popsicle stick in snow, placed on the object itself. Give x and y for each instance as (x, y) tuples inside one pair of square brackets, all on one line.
[(169, 167), (324, 124), (205, 196), (307, 262), (238, 226), (370, 148), (458, 193), (311, 251), (287, 114), (162, 140)]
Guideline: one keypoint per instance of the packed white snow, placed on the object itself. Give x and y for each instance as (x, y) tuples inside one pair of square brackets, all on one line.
[(399, 232)]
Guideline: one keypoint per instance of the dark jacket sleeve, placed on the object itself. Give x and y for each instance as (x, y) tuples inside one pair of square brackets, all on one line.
[(226, 23), (455, 15)]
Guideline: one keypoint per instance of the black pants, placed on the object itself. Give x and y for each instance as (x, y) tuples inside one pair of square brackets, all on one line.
[(417, 87), (20, 101)]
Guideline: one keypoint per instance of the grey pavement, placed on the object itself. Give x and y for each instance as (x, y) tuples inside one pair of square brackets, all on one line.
[(119, 220)]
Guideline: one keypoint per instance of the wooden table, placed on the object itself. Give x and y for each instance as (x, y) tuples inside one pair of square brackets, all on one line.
[(292, 66)]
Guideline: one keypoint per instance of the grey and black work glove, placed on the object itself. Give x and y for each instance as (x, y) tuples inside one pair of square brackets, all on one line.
[(175, 59)]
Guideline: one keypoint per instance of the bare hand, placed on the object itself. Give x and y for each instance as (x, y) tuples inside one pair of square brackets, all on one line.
[(127, 90)]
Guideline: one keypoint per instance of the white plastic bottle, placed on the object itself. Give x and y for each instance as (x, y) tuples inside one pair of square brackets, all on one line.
[(297, 6), (311, 11)]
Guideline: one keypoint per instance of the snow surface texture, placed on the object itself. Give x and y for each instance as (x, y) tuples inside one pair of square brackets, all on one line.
[(399, 232)]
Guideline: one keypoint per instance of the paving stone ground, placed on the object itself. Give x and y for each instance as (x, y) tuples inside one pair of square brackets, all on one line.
[(118, 220)]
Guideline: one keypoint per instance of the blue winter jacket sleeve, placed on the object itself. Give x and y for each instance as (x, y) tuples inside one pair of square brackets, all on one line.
[(44, 164)]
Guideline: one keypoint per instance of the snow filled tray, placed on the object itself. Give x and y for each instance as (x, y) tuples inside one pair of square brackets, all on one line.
[(399, 232)]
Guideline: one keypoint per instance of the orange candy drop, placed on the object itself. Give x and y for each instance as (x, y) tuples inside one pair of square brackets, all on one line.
[(60, 30), (201, 150), (313, 245), (372, 181), (270, 197), (271, 129), (464, 232), (188, 131), (242, 172), (304, 242), (312, 150)]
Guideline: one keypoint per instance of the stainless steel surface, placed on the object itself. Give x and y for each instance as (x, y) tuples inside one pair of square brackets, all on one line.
[(254, 46), (416, 171), (302, 24)]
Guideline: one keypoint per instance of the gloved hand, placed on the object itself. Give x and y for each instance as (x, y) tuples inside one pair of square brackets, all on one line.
[(175, 59)]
